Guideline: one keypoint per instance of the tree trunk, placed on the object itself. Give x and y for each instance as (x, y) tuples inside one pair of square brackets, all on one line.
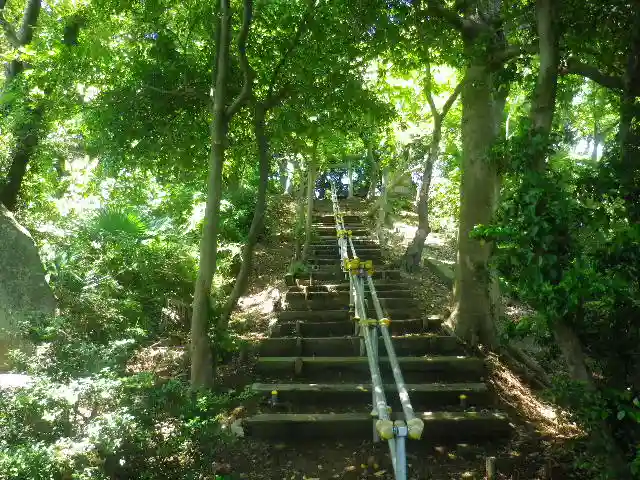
[(382, 208), (413, 255), (28, 132), (257, 223), (350, 175), (596, 141), (311, 178), (629, 134), (375, 167), (544, 101), (299, 229), (283, 175), (27, 138), (202, 357), (476, 303)]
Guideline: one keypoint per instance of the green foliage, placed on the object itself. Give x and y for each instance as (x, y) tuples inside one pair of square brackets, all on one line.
[(444, 204), (563, 246), (620, 408), (106, 426)]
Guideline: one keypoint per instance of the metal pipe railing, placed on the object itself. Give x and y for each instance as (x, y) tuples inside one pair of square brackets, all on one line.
[(394, 432)]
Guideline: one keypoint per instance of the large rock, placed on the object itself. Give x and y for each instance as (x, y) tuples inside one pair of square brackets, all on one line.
[(25, 294)]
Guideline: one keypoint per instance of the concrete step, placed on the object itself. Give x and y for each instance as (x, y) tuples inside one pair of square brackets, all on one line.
[(414, 369), (354, 395), (341, 328), (324, 313), (426, 343), (441, 427)]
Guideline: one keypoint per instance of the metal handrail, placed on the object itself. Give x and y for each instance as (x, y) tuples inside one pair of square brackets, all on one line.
[(394, 432)]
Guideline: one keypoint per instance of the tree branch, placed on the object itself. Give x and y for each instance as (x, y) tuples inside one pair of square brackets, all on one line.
[(437, 9), (275, 100), (512, 51), (245, 93), (452, 98), (183, 92), (9, 31), (302, 26), (575, 67), (29, 20)]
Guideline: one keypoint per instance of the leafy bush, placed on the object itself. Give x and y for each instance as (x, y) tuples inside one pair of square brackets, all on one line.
[(444, 204), (563, 245), (106, 426)]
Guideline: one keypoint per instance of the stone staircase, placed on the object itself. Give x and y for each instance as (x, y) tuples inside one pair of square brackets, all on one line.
[(312, 358)]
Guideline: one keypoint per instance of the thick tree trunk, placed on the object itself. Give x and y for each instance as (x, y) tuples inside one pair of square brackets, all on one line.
[(27, 139), (311, 178), (202, 357), (257, 223), (476, 303), (629, 134)]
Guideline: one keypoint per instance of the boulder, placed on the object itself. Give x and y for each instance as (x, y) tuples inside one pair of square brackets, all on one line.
[(25, 294)]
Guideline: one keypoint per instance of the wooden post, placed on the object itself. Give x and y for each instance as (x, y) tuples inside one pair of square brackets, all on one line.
[(491, 468)]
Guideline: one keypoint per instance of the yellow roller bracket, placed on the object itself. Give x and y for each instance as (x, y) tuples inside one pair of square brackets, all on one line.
[(385, 321), (368, 266)]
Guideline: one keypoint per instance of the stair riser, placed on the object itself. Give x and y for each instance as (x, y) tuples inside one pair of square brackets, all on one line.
[(343, 347), (335, 274), (436, 431), (330, 220), (337, 303), (333, 247), (398, 289), (419, 373), (324, 311), (308, 402), (328, 231), (343, 296), (333, 258), (346, 328)]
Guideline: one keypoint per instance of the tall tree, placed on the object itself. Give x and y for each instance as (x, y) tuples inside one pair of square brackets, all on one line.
[(476, 300), (261, 107), (202, 359), (27, 129), (413, 254)]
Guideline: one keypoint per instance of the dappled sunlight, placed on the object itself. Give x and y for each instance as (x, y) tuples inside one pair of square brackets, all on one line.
[(546, 418), (166, 361)]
